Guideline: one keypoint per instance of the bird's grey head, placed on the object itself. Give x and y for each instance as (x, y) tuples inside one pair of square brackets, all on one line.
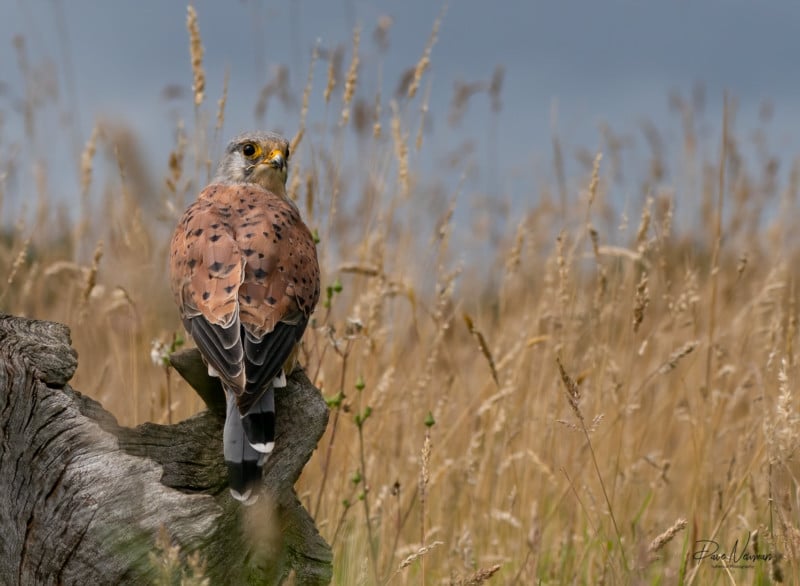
[(256, 157)]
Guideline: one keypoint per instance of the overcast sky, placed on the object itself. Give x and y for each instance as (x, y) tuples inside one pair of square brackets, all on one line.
[(612, 61)]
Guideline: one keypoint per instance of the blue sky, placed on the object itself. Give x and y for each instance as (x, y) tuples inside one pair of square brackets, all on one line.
[(612, 61)]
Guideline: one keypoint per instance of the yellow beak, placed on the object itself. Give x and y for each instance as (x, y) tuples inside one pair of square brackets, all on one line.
[(276, 159)]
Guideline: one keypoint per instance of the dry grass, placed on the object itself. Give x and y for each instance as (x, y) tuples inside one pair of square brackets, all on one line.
[(454, 454)]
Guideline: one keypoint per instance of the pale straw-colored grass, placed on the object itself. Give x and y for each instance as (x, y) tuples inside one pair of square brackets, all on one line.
[(592, 378)]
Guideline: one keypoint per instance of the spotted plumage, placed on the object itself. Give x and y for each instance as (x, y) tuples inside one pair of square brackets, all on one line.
[(245, 277)]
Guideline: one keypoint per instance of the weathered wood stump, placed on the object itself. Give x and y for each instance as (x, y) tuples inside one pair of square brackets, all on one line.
[(83, 500)]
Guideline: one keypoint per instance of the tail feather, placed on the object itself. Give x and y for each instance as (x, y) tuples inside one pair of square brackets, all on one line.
[(259, 423), (243, 461), (248, 441)]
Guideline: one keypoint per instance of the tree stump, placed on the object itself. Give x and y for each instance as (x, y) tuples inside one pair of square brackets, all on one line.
[(83, 500)]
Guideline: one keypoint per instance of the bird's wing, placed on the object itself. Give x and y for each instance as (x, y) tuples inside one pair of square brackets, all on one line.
[(280, 288), (245, 275), (206, 270)]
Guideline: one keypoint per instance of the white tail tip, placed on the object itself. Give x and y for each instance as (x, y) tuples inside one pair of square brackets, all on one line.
[(264, 448), (212, 371), (247, 499), (279, 381)]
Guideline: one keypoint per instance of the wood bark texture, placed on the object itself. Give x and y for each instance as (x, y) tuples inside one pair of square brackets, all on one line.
[(83, 499)]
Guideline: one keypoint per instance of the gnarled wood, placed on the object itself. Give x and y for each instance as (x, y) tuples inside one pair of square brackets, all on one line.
[(83, 499)]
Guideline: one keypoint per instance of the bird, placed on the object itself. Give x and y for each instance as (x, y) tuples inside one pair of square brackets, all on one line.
[(245, 276)]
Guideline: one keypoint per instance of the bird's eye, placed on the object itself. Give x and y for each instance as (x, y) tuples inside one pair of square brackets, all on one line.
[(249, 150)]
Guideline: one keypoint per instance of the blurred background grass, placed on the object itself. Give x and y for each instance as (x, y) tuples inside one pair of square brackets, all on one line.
[(657, 269)]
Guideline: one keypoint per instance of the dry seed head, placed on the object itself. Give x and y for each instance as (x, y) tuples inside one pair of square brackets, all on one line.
[(781, 430), (791, 328), (307, 92), (443, 225), (42, 189), (352, 78), (568, 424), (176, 160), (297, 140), (741, 265), (196, 52), (418, 554), (367, 270), (64, 267), (541, 466), (121, 299), (515, 254), (462, 94), (659, 542), (381, 33), (506, 517), (166, 556), (376, 116), (87, 157), (334, 63), (641, 302), (362, 117), (309, 194), (602, 277), (222, 101), (400, 150), (563, 269), (489, 403), (573, 391), (465, 549), (374, 308), (675, 357), (595, 181), (594, 236), (91, 277), (382, 388), (277, 86), (495, 87), (668, 204), (403, 83), (424, 476), (777, 571), (478, 577), (644, 223), (425, 60), (483, 346), (197, 568), (19, 260), (596, 421), (423, 116)]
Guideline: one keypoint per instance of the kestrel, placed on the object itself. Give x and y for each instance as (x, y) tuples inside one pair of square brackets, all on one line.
[(245, 276)]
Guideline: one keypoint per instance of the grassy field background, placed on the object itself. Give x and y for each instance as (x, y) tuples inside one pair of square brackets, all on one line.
[(583, 392)]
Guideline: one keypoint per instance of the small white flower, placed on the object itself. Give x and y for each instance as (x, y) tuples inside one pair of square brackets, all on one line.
[(159, 353)]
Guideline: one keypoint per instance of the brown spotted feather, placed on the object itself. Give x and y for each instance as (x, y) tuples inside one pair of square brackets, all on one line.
[(241, 253)]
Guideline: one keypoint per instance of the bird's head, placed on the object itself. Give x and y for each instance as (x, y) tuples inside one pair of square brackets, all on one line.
[(256, 157)]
